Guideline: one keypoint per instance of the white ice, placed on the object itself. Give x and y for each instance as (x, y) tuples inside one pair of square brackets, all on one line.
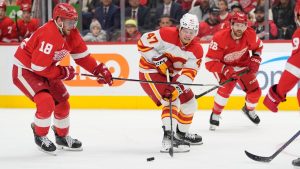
[(124, 139)]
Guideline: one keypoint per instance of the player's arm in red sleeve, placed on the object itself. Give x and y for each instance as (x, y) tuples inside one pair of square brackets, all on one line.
[(213, 57), (83, 58), (81, 55)]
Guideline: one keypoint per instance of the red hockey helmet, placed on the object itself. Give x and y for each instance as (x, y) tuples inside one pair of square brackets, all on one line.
[(25, 7), (3, 5), (65, 11), (239, 17)]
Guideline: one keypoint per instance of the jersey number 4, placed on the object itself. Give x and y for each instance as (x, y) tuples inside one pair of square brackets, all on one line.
[(46, 48)]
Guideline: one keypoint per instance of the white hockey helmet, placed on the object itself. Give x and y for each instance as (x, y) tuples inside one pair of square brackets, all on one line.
[(189, 21)]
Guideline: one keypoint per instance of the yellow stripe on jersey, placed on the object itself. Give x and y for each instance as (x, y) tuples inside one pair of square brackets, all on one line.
[(191, 73), (146, 65), (142, 47), (152, 86)]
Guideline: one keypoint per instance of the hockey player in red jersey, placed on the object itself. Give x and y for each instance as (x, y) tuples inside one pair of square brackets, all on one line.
[(37, 74), (290, 76), (6, 26), (227, 56), (27, 25), (178, 51)]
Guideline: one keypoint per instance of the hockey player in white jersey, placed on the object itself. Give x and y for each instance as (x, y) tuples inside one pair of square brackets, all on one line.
[(178, 51)]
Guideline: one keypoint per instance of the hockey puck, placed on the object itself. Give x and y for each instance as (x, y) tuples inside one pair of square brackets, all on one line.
[(150, 159)]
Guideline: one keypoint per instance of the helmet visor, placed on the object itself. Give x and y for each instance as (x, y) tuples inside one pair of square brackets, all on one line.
[(69, 24)]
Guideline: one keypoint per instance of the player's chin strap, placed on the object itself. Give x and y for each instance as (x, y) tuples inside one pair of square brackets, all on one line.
[(59, 27), (147, 81)]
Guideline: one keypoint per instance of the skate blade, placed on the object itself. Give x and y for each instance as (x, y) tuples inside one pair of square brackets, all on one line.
[(68, 148), (53, 153), (195, 144), (180, 149)]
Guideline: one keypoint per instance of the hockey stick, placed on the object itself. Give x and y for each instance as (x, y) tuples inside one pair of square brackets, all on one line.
[(221, 84), (270, 158), (146, 81), (171, 151)]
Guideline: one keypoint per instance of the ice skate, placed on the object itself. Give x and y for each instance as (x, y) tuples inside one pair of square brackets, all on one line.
[(214, 121), (179, 146), (67, 142), (251, 115), (43, 143), (193, 139), (296, 162)]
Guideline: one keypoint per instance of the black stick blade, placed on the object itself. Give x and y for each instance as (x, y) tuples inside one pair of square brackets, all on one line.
[(171, 152), (258, 158)]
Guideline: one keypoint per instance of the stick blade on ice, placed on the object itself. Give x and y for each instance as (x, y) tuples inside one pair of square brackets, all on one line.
[(258, 158)]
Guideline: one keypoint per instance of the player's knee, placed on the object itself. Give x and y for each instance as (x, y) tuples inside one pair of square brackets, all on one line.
[(62, 109), (189, 107), (44, 103)]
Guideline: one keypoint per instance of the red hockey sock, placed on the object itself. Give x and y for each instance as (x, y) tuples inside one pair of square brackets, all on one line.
[(61, 118), (45, 106)]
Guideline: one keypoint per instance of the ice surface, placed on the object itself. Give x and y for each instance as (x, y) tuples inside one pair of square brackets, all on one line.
[(124, 139)]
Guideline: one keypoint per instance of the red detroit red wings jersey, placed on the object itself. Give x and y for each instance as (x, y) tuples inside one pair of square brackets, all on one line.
[(47, 46), (224, 50), (293, 63), (185, 58), (6, 29), (26, 29)]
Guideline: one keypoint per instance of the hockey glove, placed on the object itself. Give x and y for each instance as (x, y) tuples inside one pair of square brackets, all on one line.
[(254, 64), (272, 99), (249, 82), (162, 63), (172, 92), (103, 74), (229, 72), (66, 72)]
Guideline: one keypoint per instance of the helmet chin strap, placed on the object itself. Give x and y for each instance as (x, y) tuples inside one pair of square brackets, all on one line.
[(60, 28)]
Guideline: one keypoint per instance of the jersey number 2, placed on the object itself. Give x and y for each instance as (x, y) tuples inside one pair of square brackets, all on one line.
[(46, 48)]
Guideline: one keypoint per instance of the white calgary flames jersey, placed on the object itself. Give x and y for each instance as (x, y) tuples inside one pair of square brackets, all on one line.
[(165, 41)]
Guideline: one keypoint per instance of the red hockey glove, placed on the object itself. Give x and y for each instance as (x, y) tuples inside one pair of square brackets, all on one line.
[(66, 72), (254, 64), (249, 82), (162, 63), (103, 74), (272, 99), (229, 72), (172, 92)]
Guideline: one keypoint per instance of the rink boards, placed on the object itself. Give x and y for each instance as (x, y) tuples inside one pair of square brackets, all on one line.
[(123, 61)]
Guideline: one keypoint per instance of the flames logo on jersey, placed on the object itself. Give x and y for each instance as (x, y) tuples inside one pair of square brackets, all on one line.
[(231, 57), (59, 55)]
